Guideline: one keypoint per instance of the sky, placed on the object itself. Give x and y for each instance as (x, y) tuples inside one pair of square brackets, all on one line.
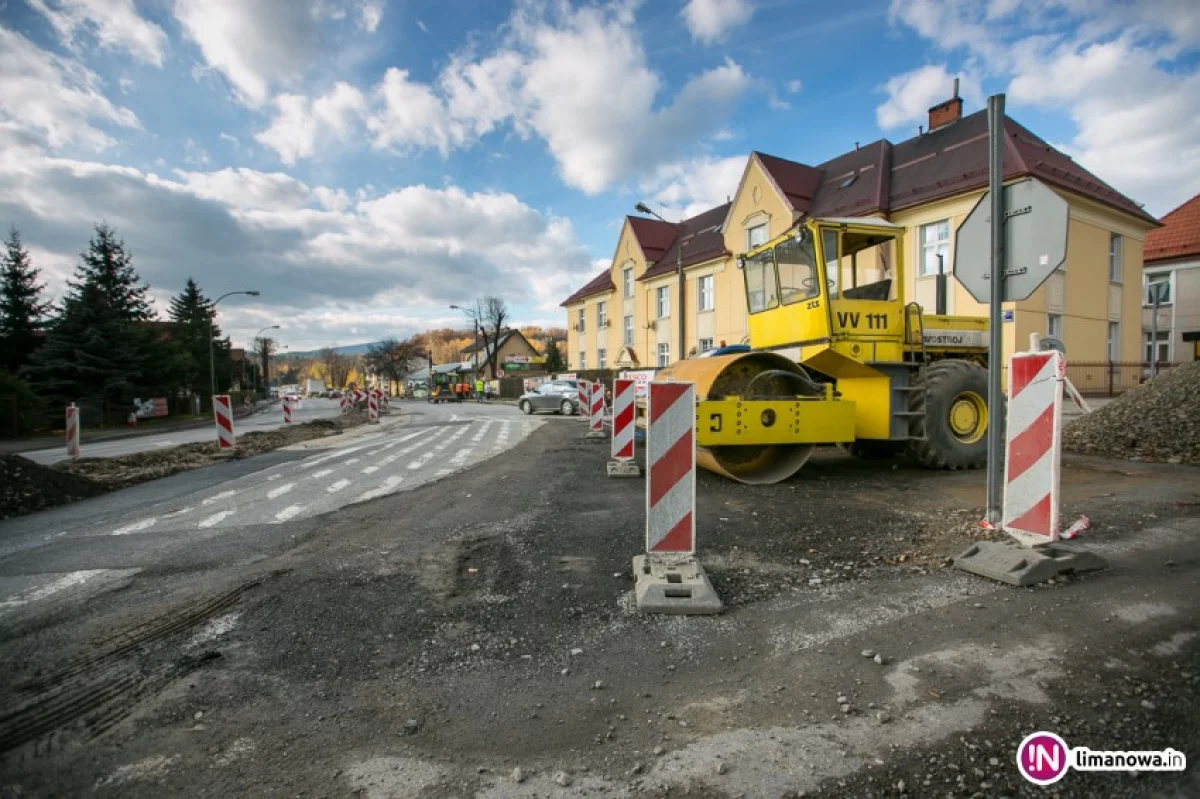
[(365, 164)]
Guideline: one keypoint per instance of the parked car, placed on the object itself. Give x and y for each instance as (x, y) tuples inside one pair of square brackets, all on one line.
[(335, 394), (558, 396)]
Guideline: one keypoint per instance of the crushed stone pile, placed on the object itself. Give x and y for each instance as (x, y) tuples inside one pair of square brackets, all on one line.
[(140, 467), (1157, 421), (26, 487)]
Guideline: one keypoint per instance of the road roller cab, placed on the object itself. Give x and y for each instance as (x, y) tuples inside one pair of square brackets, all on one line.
[(839, 357)]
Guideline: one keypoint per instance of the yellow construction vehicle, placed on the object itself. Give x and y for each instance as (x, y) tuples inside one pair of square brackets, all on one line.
[(839, 357)]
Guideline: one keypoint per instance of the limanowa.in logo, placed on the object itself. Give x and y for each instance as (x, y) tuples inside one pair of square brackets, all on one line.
[(1043, 758)]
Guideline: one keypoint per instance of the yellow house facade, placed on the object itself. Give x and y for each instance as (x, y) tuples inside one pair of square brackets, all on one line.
[(627, 317)]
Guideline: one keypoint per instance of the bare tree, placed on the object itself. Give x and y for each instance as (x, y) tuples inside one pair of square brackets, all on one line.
[(488, 318), (393, 359), (264, 348), (335, 366)]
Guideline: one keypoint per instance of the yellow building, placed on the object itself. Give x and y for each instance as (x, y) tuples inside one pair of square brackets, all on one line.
[(627, 316)]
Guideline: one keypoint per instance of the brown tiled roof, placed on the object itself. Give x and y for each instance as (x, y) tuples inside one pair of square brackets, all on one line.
[(701, 239), (1179, 237), (653, 235), (600, 284), (882, 177)]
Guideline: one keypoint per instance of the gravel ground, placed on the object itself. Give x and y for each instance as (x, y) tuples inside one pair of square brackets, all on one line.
[(477, 636)]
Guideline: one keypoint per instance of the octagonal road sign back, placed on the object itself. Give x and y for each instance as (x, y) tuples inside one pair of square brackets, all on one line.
[(1035, 241)]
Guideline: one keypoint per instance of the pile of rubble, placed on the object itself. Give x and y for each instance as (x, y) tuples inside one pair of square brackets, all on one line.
[(26, 487), (1157, 421)]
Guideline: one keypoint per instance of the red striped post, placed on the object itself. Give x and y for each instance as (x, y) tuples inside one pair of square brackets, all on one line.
[(287, 411), (583, 397), (373, 406), (223, 414), (596, 412), (1033, 448), (345, 401), (622, 436), (671, 469), (72, 431)]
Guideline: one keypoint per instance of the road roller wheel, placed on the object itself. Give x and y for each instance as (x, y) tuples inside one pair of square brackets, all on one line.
[(956, 415)]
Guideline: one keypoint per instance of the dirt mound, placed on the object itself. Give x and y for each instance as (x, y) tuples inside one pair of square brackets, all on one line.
[(1157, 421), (26, 487)]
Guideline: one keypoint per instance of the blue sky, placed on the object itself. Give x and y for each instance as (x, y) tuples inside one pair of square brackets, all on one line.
[(365, 163)]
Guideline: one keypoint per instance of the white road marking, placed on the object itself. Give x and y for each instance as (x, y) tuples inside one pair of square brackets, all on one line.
[(336, 454), (457, 461), (215, 519), (352, 461), (280, 491), (273, 477), (386, 487), (482, 431), (322, 473), (179, 512), (288, 513), (370, 470), (135, 527), (428, 456), (219, 497), (338, 486), (51, 588)]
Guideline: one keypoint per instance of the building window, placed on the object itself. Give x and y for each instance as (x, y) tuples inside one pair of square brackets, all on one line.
[(601, 315), (1116, 268), (664, 302), (628, 331), (705, 295), (706, 344), (601, 359), (582, 360), (664, 354), (1054, 326), (935, 248), (755, 236), (1114, 341), (1160, 284), (627, 281), (1161, 352), (579, 324)]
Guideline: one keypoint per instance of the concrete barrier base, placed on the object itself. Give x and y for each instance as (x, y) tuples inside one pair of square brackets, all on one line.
[(1014, 564), (596, 435), (676, 586), (624, 469)]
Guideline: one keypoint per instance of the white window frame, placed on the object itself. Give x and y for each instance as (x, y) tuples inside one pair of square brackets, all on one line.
[(627, 282), (601, 359), (1158, 277), (1050, 317), (662, 304), (664, 354), (582, 360), (1113, 345), (750, 232), (926, 246), (601, 315), (701, 345), (1116, 260), (580, 325), (1164, 340), (628, 333), (705, 291)]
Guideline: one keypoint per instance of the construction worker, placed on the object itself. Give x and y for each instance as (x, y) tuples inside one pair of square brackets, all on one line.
[(479, 389)]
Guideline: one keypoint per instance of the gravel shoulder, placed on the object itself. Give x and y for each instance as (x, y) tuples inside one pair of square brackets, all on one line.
[(435, 642)]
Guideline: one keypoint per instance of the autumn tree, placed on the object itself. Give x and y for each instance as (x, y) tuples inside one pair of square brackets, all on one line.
[(393, 359)]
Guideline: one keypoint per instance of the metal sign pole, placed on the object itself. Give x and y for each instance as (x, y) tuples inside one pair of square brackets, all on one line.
[(995, 440), (1156, 300)]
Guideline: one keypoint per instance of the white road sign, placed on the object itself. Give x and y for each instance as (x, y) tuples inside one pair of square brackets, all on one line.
[(1035, 241)]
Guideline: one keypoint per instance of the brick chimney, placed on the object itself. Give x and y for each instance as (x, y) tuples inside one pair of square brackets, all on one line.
[(946, 113)]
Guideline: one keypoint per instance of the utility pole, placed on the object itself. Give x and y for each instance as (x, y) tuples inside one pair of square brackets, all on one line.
[(995, 441), (212, 315)]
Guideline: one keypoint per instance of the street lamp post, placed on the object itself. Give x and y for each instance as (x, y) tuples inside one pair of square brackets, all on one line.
[(645, 209), (475, 327), (212, 361), (264, 360)]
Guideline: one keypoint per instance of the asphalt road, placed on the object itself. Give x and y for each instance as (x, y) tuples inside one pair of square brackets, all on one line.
[(267, 418), (241, 508)]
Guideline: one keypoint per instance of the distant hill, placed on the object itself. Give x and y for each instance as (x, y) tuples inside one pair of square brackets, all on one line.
[(349, 349)]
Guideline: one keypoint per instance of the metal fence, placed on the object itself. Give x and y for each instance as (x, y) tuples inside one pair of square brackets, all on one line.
[(1110, 378)]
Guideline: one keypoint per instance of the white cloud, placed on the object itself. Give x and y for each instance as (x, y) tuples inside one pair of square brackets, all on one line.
[(115, 25), (229, 138), (53, 99), (300, 123), (911, 95), (687, 188), (194, 153), (255, 44), (371, 14), (794, 86), (421, 25), (1125, 74), (711, 20)]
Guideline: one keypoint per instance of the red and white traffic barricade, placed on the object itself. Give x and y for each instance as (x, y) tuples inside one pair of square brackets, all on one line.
[(622, 464), (373, 406), (72, 431), (223, 415), (669, 578), (345, 402), (584, 393), (595, 411), (287, 411), (1033, 449)]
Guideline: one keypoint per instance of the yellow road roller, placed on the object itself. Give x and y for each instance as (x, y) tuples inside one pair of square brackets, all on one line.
[(839, 357)]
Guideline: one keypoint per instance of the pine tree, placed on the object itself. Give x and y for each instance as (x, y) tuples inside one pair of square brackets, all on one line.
[(23, 312), (192, 314), (554, 359), (110, 268)]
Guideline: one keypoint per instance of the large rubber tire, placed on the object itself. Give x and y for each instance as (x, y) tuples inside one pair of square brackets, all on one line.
[(945, 383), (526, 407), (567, 408)]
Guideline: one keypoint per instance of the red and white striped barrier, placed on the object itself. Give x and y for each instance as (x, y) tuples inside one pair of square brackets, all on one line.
[(624, 392), (596, 408), (287, 411), (671, 469), (223, 414), (345, 402), (1033, 449), (584, 393), (373, 407), (72, 431)]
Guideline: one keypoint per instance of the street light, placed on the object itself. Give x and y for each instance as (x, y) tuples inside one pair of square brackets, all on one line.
[(642, 208), (212, 314), (264, 363), (474, 334)]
